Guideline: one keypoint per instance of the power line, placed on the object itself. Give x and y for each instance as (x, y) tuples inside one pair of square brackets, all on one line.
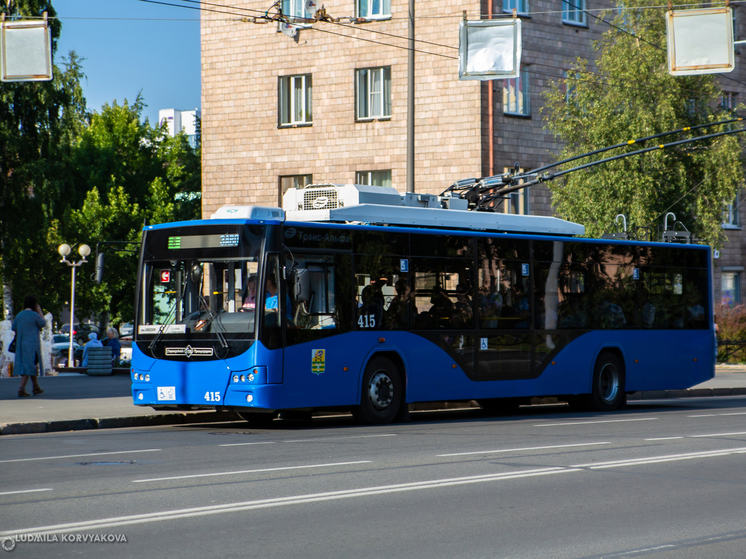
[(384, 44)]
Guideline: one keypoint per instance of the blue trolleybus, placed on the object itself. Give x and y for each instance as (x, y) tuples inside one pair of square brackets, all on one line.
[(360, 298)]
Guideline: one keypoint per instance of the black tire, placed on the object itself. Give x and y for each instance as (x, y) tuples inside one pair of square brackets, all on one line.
[(259, 419), (607, 391), (382, 393)]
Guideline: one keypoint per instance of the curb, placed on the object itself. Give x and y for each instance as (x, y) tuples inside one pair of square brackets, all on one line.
[(181, 418), (184, 418)]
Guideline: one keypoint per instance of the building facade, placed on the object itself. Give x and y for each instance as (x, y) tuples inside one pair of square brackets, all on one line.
[(327, 103)]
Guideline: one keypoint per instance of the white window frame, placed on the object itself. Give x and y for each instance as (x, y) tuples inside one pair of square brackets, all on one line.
[(296, 110), (729, 100), (373, 9), (373, 96), (573, 12), (730, 215), (520, 5), (517, 202), (517, 95), (374, 178), (295, 9), (734, 279)]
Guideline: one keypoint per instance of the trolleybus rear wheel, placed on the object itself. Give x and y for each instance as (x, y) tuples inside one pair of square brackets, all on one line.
[(382, 392), (607, 392)]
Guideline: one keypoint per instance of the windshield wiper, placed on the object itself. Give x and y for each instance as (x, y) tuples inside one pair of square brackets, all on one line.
[(212, 316)]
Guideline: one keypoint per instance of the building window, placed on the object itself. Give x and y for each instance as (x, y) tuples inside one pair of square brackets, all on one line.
[(373, 93), (373, 178), (730, 214), (373, 9), (729, 100), (520, 5), (516, 202), (293, 181), (295, 9), (295, 100), (731, 288), (516, 95), (568, 87), (573, 12)]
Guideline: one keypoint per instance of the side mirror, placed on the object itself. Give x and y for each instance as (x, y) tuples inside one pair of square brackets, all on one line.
[(300, 284), (195, 274), (99, 267)]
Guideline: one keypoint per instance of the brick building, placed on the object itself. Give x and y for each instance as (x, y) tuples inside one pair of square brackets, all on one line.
[(330, 103)]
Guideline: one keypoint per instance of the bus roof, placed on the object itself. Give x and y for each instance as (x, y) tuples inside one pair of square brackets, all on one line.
[(377, 205)]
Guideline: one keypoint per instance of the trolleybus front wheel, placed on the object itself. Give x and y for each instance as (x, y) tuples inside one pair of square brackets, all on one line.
[(607, 392), (382, 393), (259, 419)]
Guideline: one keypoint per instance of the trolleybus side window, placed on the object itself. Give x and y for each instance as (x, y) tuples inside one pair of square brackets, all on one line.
[(443, 293), (503, 283), (383, 293)]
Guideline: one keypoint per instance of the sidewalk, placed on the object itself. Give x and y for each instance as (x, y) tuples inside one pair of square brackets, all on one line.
[(73, 402)]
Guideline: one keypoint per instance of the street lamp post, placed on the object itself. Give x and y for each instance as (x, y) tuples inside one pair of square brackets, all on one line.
[(64, 250)]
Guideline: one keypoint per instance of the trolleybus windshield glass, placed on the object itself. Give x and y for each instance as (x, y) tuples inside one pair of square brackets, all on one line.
[(201, 283)]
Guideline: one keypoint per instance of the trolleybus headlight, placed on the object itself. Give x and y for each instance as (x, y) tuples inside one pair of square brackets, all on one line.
[(140, 396), (251, 377), (142, 377), (243, 378), (249, 398), (235, 378), (147, 378)]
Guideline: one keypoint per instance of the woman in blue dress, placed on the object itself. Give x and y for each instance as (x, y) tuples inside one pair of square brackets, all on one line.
[(27, 326)]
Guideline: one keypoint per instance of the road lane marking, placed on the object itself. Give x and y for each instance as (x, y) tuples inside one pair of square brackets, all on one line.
[(596, 422), (26, 491), (704, 415), (734, 413), (318, 439), (325, 439), (282, 501), (664, 438), (177, 514), (246, 444), (717, 435), (79, 455), (520, 449), (279, 469), (658, 459)]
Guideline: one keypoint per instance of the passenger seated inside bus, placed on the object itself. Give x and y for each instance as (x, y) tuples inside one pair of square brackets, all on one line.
[(370, 313), (401, 308), (463, 313)]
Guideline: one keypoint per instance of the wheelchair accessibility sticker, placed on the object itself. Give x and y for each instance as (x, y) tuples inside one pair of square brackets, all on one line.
[(318, 361)]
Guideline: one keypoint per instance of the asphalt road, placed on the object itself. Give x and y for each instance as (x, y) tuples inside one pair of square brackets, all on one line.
[(660, 479)]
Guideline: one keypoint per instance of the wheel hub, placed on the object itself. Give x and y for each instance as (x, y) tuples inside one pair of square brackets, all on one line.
[(381, 390), (609, 382)]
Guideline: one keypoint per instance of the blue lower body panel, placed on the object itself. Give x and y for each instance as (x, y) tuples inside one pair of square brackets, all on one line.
[(438, 366)]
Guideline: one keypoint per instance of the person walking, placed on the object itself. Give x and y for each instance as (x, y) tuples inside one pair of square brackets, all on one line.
[(27, 326)]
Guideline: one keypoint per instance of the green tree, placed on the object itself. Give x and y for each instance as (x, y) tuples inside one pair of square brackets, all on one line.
[(37, 122), (131, 173), (632, 95)]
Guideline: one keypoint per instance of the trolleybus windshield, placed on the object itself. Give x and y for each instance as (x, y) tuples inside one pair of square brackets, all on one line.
[(200, 283)]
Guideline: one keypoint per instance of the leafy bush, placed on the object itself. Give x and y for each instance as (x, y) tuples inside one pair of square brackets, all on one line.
[(731, 324)]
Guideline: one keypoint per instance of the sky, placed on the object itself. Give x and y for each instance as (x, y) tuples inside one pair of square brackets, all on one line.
[(130, 47)]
